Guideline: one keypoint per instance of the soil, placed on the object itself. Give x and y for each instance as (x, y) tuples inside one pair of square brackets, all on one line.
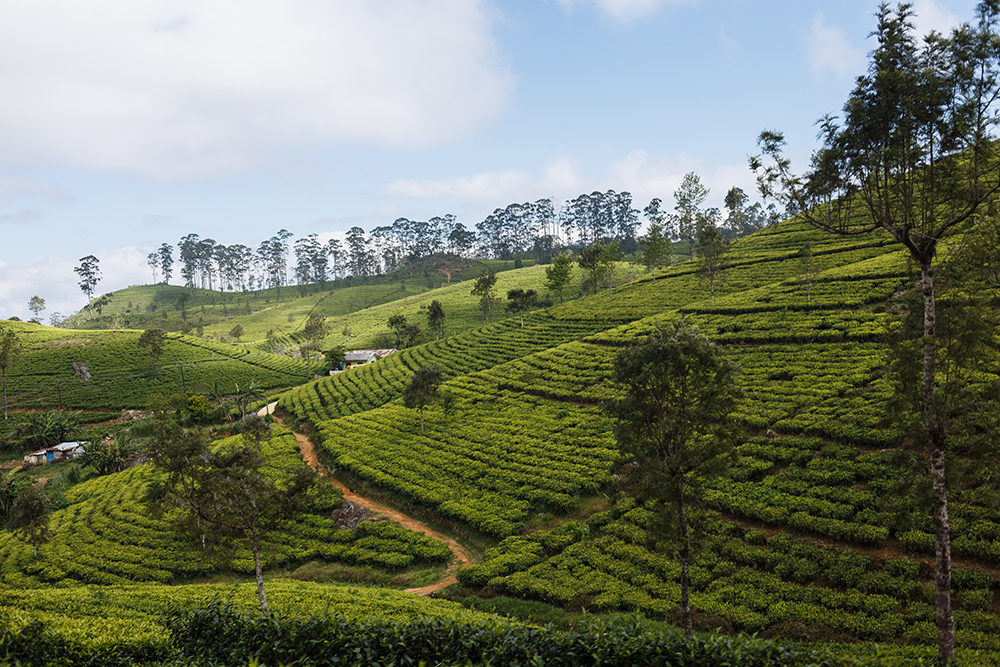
[(460, 557)]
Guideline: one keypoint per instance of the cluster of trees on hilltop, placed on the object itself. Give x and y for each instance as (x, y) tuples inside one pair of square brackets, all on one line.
[(538, 229)]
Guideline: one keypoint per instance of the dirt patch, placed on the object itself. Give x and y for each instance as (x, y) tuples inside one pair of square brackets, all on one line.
[(460, 557)]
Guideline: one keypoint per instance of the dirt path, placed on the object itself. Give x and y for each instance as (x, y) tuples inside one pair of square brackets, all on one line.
[(460, 555)]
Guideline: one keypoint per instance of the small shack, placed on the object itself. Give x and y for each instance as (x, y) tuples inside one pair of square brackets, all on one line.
[(64, 451), (359, 358)]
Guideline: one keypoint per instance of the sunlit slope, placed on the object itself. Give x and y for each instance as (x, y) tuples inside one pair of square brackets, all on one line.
[(375, 384), (122, 373), (768, 256), (369, 327)]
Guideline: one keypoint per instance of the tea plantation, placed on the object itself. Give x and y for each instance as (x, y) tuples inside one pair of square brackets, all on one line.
[(817, 549)]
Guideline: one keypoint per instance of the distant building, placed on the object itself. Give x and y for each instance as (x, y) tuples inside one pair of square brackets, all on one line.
[(361, 357), (61, 452)]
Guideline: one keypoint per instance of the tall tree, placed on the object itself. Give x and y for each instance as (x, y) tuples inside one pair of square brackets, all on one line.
[(712, 250), (227, 493), (398, 324), (558, 274), (915, 156), (153, 260), (316, 328), (166, 255), (485, 289), (188, 247), (657, 250), (10, 349), (436, 318), (423, 389), (29, 516), (590, 260), (36, 304), (155, 340), (520, 300), (90, 274), (736, 216), (610, 256), (677, 392), (689, 197)]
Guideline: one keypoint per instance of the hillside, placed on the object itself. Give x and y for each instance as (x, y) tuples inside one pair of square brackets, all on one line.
[(814, 536)]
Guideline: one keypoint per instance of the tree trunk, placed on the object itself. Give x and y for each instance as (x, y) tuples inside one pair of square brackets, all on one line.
[(4, 369), (421, 419), (258, 573), (936, 446)]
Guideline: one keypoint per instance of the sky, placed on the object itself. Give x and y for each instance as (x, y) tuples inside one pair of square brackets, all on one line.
[(126, 125)]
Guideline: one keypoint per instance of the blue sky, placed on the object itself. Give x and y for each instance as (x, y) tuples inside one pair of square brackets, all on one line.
[(127, 125)]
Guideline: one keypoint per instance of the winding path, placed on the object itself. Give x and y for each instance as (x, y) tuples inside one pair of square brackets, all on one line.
[(460, 557)]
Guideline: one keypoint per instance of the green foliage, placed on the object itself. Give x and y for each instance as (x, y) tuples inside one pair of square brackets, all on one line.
[(28, 516), (424, 388), (558, 274)]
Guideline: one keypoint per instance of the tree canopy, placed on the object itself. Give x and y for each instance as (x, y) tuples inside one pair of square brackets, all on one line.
[(672, 420)]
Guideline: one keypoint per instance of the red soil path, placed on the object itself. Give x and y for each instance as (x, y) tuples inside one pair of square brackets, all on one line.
[(460, 555)]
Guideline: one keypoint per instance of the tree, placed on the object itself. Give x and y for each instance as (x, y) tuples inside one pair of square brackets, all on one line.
[(590, 260), (11, 486), (29, 517), (712, 249), (40, 429), (90, 275), (227, 493), (10, 349), (398, 324), (604, 266), (677, 392), (166, 255), (916, 156), (335, 356), (689, 197), (423, 389), (155, 340), (736, 215), (236, 332), (485, 289), (36, 304), (315, 328), (153, 260), (107, 457), (520, 300), (436, 318), (657, 250), (558, 274)]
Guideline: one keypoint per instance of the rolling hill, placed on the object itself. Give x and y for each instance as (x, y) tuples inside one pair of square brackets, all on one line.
[(814, 535)]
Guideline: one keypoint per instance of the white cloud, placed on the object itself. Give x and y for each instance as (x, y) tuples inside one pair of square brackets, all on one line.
[(561, 176), (186, 90), (928, 17), (624, 11), (830, 51), (484, 187), (647, 176)]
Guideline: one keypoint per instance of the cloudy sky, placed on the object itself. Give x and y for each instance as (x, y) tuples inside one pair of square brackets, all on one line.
[(129, 124)]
